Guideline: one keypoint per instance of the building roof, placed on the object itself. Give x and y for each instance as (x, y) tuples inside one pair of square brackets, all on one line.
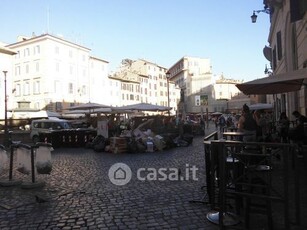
[(6, 51), (41, 37)]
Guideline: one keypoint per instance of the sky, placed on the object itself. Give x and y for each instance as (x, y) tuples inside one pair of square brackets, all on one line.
[(159, 31)]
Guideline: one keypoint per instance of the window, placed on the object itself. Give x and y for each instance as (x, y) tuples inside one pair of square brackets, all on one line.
[(83, 89), (57, 67), (17, 70), (36, 49), (70, 88), (36, 87), (274, 58), (17, 90), (27, 68), (297, 10), (27, 52), (70, 53), (279, 45), (26, 88), (17, 55), (37, 66), (57, 87)]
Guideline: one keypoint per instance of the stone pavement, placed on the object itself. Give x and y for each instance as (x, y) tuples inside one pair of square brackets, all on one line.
[(80, 195)]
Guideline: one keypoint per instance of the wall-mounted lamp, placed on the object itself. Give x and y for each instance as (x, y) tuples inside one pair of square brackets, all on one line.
[(254, 16)]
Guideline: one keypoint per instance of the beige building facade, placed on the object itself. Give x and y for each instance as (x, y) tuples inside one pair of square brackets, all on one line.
[(288, 49), (193, 76), (145, 82)]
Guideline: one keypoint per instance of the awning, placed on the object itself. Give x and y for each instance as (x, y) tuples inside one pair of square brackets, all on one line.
[(259, 106), (279, 83)]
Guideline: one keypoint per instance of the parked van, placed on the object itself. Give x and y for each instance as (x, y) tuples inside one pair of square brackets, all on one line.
[(45, 125)]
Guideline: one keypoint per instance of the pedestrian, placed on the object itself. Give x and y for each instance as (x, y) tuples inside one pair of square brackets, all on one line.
[(202, 125), (283, 127), (262, 125), (297, 134), (222, 122), (247, 124)]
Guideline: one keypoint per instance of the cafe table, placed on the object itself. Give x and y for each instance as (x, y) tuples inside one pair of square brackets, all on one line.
[(237, 135)]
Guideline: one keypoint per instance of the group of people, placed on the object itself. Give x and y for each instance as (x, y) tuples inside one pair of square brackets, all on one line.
[(256, 124)]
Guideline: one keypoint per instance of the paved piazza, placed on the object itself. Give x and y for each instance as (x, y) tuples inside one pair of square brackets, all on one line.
[(80, 194)]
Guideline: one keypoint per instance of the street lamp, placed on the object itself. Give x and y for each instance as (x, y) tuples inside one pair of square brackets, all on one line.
[(167, 78), (254, 16), (5, 112)]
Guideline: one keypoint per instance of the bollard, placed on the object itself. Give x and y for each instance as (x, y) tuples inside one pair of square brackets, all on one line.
[(10, 181), (34, 183)]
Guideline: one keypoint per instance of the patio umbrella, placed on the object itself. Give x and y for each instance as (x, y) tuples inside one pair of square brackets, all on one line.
[(279, 83), (88, 106), (85, 111), (144, 107), (258, 106)]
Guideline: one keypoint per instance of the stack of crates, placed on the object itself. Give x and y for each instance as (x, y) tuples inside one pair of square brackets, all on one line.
[(118, 145)]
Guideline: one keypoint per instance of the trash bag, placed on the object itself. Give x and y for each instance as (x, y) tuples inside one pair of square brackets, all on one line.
[(43, 159), (23, 160), (99, 143), (3, 159), (97, 140)]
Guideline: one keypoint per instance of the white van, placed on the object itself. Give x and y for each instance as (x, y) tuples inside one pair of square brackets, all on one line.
[(46, 125)]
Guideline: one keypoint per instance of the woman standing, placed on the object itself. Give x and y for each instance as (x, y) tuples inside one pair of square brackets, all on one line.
[(283, 127)]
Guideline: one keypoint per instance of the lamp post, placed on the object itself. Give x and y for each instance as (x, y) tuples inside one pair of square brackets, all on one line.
[(168, 102), (5, 112), (254, 16)]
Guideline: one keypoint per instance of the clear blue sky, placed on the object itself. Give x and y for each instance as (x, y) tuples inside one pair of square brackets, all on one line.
[(160, 31)]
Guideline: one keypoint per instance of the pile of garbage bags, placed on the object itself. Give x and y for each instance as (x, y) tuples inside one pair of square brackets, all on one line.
[(136, 141)]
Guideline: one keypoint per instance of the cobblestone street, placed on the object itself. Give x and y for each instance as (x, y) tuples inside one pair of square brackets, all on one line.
[(79, 194)]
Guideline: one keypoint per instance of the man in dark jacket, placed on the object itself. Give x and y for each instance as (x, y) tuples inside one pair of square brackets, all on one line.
[(298, 134)]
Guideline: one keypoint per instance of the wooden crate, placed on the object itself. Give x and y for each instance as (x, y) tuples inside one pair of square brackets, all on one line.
[(118, 145)]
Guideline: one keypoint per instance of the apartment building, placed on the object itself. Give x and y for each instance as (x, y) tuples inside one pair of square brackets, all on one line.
[(145, 82), (224, 90), (52, 73), (194, 78)]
